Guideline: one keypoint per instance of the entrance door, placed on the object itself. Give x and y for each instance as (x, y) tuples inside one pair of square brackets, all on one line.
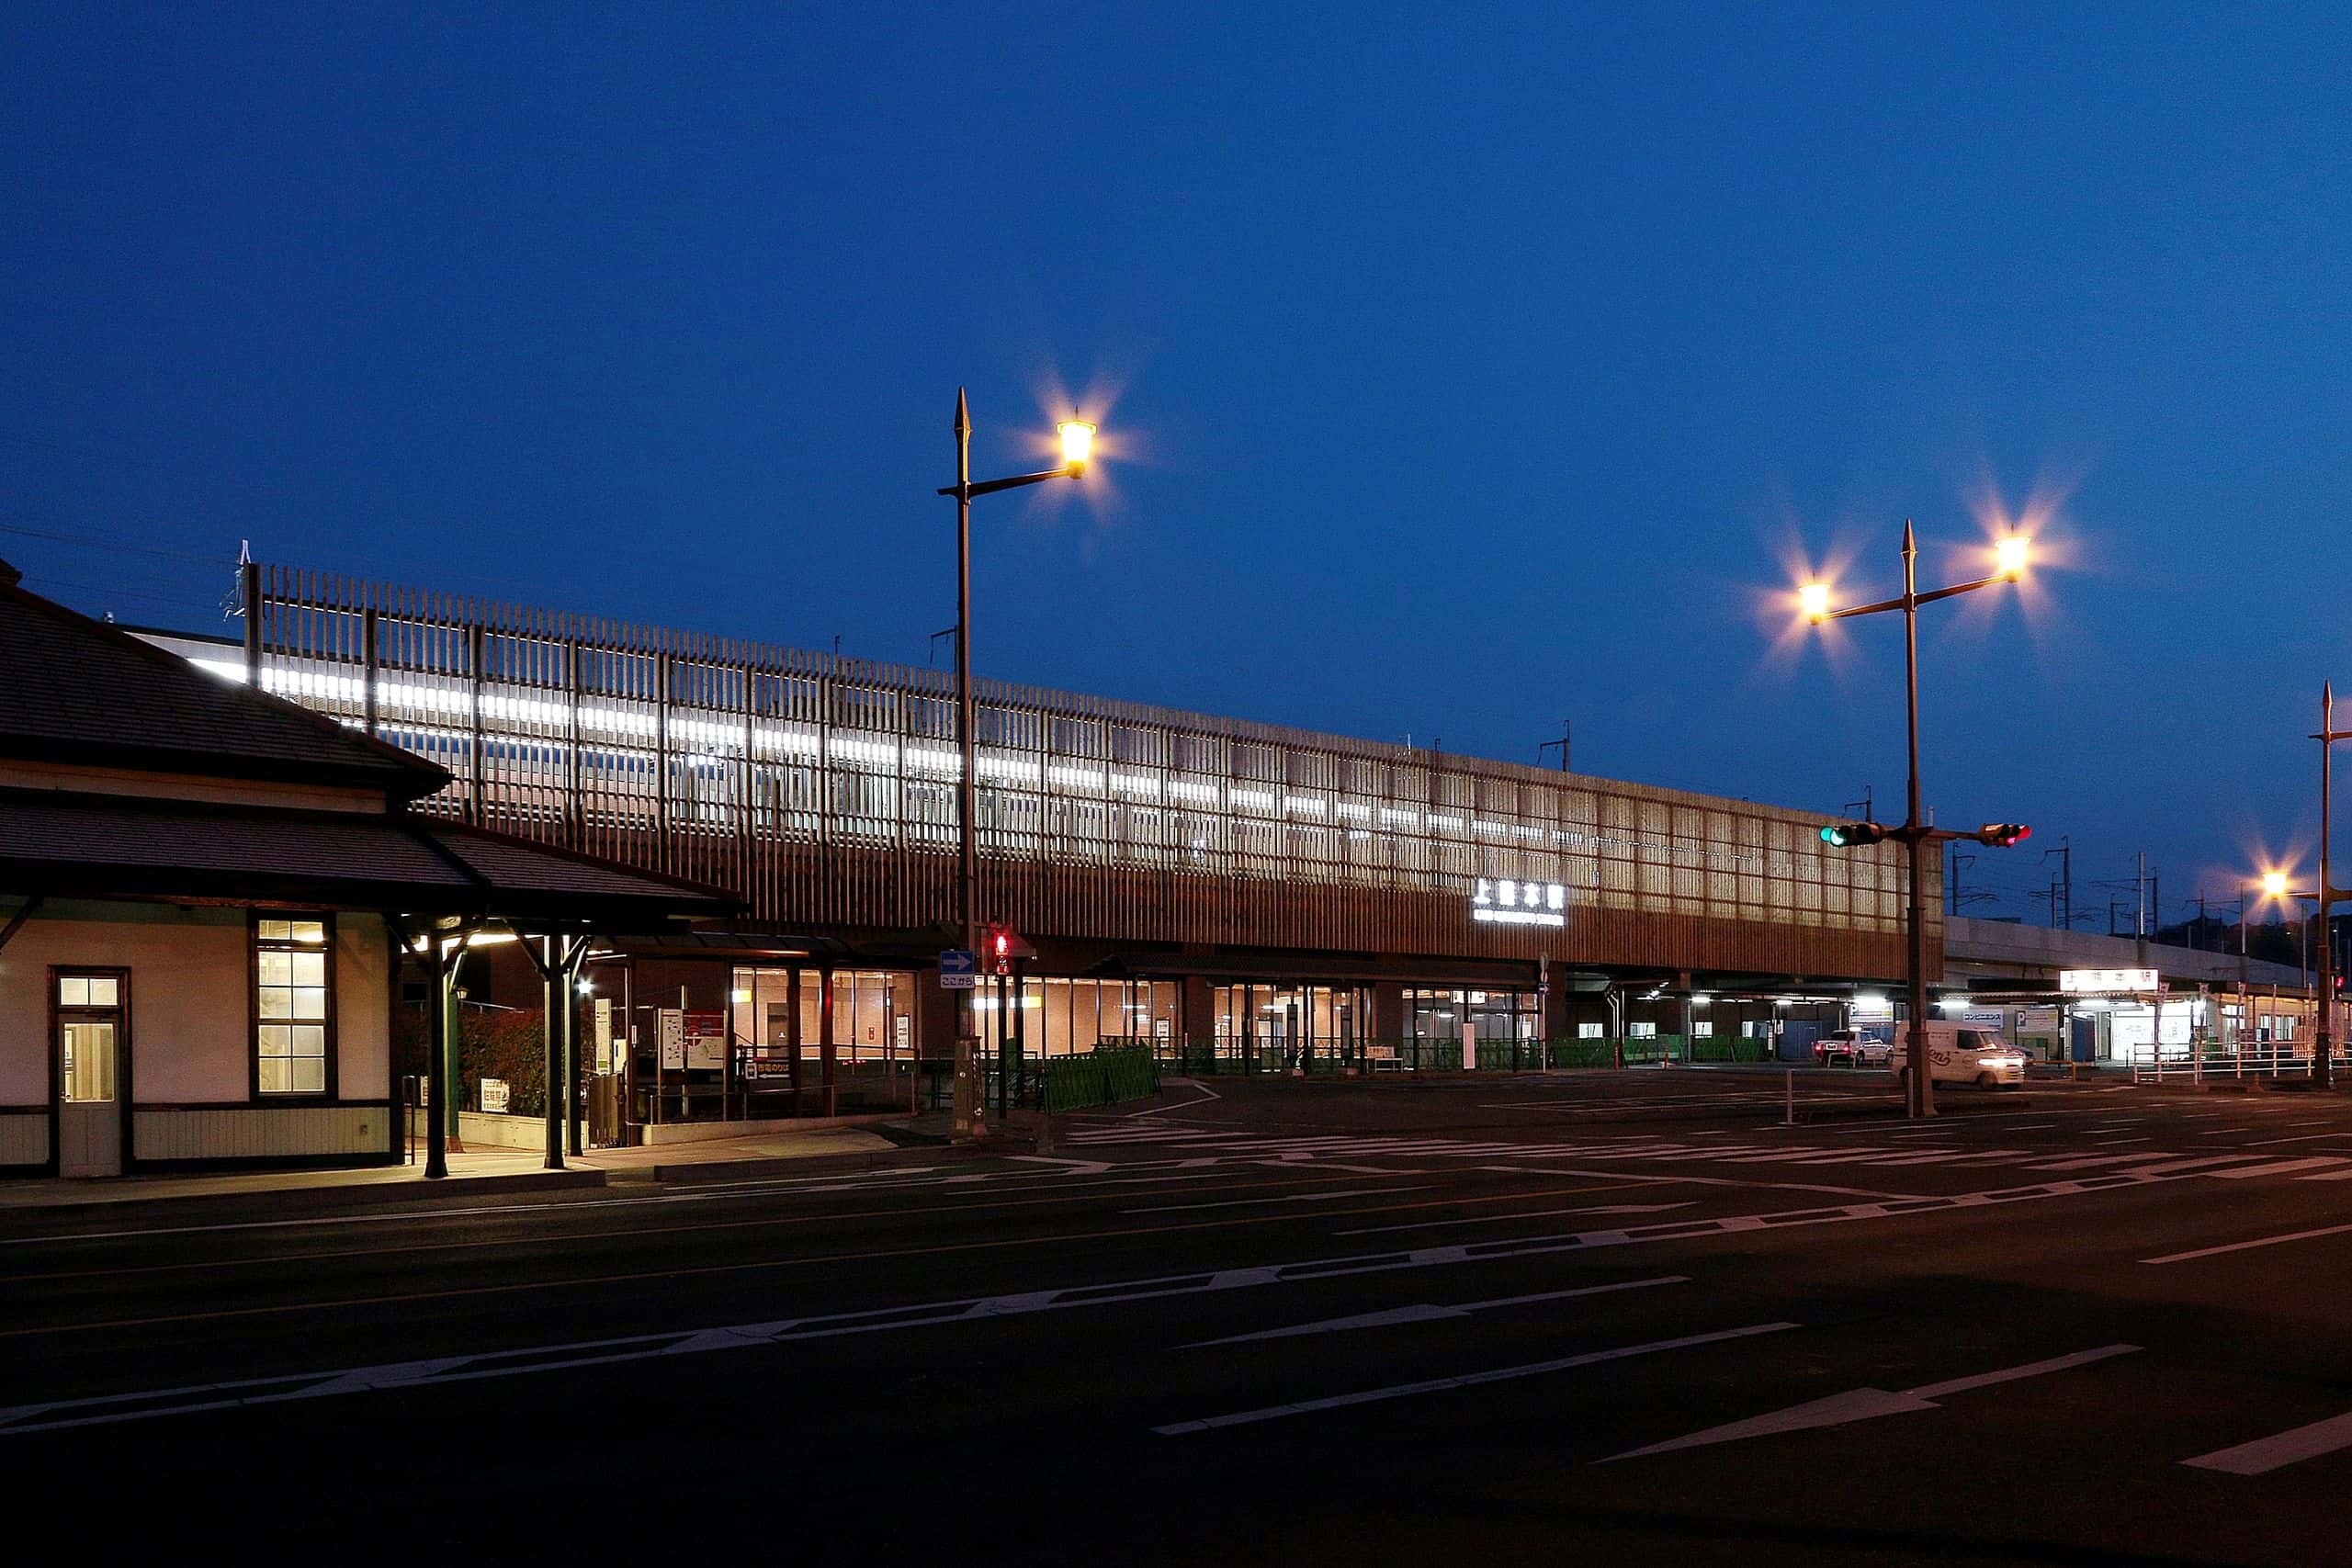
[(93, 1028)]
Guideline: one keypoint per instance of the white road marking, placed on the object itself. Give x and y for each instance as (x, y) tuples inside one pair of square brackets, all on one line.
[(1287, 1197), (2283, 1168), (2247, 1245), (1529, 1214), (1467, 1380), (2305, 1138), (1430, 1312), (1864, 1404), (2170, 1167), (2267, 1454), (1207, 1092)]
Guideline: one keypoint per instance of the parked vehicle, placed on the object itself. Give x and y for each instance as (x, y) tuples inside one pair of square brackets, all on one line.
[(1851, 1048), (1961, 1053)]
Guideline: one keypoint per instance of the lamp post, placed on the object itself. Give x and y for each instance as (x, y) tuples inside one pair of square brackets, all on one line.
[(1813, 599), (2324, 1067), (1078, 446)]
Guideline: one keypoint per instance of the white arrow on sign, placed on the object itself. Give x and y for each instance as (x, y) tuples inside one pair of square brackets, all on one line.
[(1864, 1404)]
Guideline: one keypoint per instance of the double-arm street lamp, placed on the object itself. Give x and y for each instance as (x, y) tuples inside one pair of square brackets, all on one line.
[(1078, 446), (2328, 894), (1813, 598)]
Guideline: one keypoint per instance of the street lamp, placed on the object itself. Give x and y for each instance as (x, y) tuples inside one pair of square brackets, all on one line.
[(2275, 888), (2323, 1048), (2011, 555), (1078, 446)]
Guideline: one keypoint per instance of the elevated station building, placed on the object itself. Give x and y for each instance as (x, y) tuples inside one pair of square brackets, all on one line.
[(1204, 883)]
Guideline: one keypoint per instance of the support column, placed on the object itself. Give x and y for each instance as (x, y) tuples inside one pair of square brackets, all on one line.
[(568, 999), (825, 1040), (792, 1035), (453, 1033), (437, 1059), (551, 1028)]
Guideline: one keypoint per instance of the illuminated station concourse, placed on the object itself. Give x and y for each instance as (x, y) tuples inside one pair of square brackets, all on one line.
[(1230, 895)]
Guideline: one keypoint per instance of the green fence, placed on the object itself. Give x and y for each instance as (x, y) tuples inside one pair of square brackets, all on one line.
[(1330, 1059), (1098, 1078)]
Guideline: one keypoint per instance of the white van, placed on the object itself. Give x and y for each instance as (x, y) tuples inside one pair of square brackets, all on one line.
[(1961, 1053)]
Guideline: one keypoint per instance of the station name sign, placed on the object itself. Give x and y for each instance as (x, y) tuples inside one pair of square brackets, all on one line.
[(2107, 982), (1500, 901)]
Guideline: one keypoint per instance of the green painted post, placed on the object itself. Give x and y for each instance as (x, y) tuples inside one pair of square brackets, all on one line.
[(453, 1034)]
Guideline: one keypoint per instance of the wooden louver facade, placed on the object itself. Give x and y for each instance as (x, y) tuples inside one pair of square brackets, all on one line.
[(823, 790)]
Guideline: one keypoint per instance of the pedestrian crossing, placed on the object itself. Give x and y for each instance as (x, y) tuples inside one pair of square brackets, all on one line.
[(1886, 1154)]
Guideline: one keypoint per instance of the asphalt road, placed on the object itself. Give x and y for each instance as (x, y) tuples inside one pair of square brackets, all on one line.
[(1561, 1318)]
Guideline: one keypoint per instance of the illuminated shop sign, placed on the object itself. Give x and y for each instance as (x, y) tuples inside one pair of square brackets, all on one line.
[(1503, 902), (2107, 982)]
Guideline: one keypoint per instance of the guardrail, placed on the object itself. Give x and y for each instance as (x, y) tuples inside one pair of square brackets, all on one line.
[(1276, 1058), (2196, 1065)]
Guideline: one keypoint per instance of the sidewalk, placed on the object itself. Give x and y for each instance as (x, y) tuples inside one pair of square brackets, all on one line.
[(482, 1173)]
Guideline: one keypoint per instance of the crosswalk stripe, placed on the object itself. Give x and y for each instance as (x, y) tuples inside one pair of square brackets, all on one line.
[(2283, 1168), (2172, 1166), (2088, 1161)]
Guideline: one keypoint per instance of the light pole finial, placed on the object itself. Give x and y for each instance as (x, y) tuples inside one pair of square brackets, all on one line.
[(962, 414)]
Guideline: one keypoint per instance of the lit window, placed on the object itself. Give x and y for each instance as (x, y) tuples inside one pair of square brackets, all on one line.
[(293, 1005), (1589, 1032)]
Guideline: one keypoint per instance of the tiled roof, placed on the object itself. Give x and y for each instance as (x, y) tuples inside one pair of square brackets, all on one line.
[(78, 690), (69, 844)]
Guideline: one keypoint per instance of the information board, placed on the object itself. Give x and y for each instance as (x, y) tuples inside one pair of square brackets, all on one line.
[(706, 1040)]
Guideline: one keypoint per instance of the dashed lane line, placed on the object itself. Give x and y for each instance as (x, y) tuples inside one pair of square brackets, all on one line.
[(1431, 1311), (1467, 1380), (2247, 1245), (2280, 1449)]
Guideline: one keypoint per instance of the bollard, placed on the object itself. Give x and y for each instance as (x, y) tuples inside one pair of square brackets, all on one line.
[(1788, 1118)]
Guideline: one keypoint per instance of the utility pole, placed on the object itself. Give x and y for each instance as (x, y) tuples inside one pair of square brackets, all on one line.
[(2065, 853), (1567, 732)]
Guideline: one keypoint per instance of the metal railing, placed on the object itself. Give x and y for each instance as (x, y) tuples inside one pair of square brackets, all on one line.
[(2207, 1061), (1278, 1058)]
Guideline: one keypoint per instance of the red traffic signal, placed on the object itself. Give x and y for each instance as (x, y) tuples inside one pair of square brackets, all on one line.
[(2003, 835)]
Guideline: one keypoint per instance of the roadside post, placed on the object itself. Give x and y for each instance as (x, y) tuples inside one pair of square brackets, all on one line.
[(959, 971)]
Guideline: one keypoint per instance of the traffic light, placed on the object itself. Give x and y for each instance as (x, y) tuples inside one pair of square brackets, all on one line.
[(1001, 948), (1847, 835), (2003, 835)]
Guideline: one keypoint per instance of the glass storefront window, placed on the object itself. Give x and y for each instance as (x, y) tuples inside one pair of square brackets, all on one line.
[(1494, 1015), (1279, 1018), (873, 1013), (1063, 1017)]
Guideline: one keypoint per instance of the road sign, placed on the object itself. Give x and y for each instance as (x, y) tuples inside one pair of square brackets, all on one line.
[(958, 970)]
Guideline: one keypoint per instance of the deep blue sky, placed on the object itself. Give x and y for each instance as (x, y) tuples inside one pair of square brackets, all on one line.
[(1460, 370)]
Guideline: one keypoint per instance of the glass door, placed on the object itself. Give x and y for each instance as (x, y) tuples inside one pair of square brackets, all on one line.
[(90, 1038)]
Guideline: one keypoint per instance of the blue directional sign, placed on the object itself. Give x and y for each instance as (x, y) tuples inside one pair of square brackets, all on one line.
[(958, 970)]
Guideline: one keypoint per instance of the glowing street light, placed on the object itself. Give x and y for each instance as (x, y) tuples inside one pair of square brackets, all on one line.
[(1078, 446), (2011, 555), (2274, 885)]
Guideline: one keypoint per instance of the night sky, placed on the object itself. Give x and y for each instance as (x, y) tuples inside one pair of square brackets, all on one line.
[(1456, 376)]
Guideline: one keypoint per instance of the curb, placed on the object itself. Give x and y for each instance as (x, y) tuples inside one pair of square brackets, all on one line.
[(276, 1199), (717, 1172)]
